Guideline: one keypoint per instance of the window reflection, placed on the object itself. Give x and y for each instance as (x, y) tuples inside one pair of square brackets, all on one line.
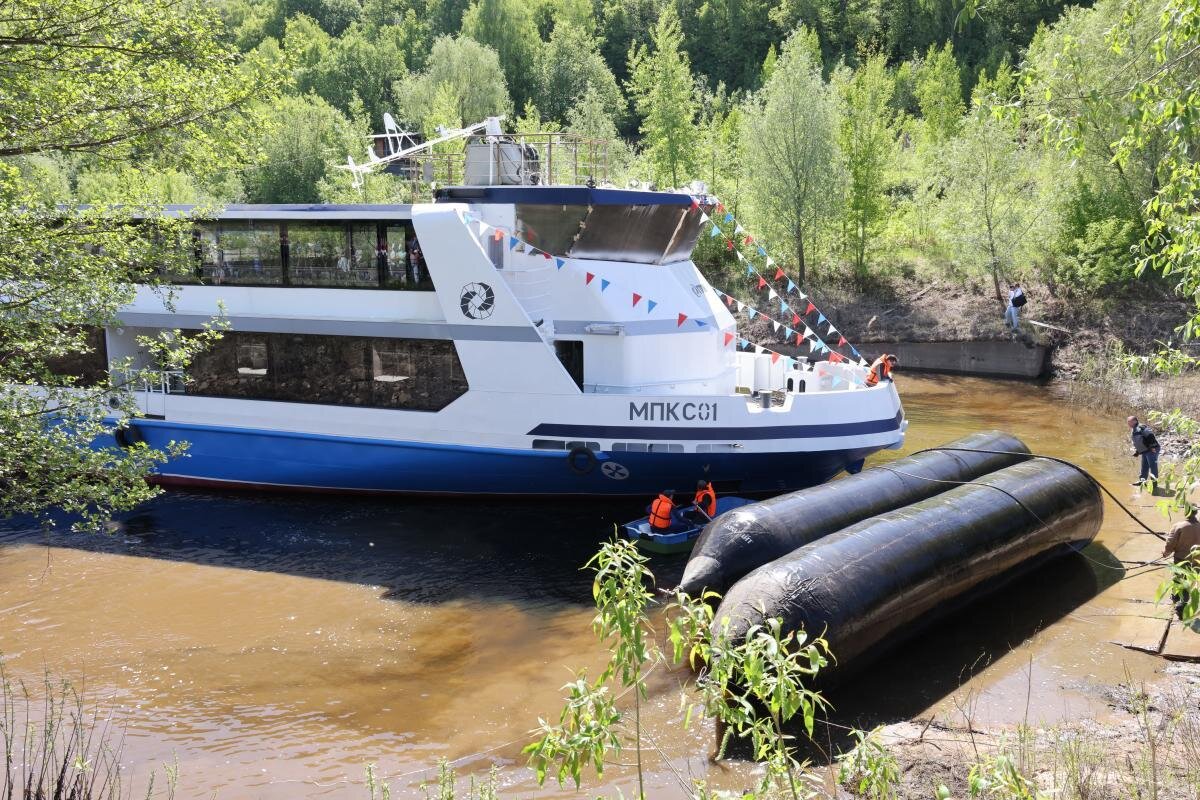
[(241, 253)]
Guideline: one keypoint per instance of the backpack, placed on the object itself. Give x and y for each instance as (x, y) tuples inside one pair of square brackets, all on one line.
[(1018, 301)]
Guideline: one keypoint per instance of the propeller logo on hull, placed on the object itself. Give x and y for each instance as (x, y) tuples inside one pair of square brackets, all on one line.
[(477, 301)]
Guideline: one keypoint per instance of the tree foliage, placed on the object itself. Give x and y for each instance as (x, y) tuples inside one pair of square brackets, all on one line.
[(139, 80), (507, 27), (788, 132), (661, 88), (463, 70)]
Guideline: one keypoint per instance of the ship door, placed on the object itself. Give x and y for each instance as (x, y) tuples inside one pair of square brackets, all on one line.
[(570, 353)]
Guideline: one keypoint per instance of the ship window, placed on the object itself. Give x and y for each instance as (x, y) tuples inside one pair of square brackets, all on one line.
[(412, 374), (715, 448), (404, 261), (629, 447), (241, 253), (585, 445), (665, 448), (252, 356), (549, 444), (332, 254), (570, 353)]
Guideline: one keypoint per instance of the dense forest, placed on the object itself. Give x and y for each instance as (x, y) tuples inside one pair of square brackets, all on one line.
[(856, 137)]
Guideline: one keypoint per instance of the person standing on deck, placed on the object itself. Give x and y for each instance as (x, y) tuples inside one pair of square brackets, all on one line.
[(1183, 544), (1016, 299), (1146, 447)]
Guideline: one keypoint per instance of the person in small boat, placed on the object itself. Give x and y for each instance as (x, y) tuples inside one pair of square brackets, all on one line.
[(662, 511), (881, 369), (706, 499)]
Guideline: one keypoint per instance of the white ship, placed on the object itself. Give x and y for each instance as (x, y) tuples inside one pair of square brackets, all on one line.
[(513, 337)]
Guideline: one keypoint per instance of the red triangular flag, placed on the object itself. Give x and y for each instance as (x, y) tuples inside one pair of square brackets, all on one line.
[(720, 208), (695, 203), (637, 298), (728, 339), (811, 308), (778, 273), (836, 357), (729, 244), (498, 235), (546, 255), (841, 341), (729, 300), (749, 240), (774, 357), (795, 318), (799, 339), (588, 279), (761, 281), (682, 319)]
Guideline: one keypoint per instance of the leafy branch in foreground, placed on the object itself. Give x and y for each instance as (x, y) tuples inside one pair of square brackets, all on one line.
[(753, 689)]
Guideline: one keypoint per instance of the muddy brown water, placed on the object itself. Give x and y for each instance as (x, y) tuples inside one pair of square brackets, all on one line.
[(276, 644)]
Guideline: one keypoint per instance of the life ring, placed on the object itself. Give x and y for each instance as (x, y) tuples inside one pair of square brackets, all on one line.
[(128, 436), (581, 460)]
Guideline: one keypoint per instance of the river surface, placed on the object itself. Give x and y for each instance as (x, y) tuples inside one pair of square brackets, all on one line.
[(276, 644)]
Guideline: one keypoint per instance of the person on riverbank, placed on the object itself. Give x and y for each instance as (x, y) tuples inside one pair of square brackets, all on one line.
[(1145, 446), (1016, 299), (1183, 544), (881, 369)]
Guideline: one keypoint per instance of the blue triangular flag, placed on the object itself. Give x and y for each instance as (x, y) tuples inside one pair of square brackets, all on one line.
[(821, 318), (852, 350), (743, 344), (729, 217), (558, 262), (791, 286), (604, 284), (699, 322), (715, 232), (749, 270), (783, 307), (650, 304), (752, 313), (761, 252), (836, 380), (512, 243)]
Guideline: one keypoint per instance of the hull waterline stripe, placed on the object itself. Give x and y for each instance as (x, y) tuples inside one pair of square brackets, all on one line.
[(649, 327), (636, 432), (342, 327)]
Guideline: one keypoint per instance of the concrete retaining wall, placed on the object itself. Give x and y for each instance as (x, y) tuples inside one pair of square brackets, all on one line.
[(991, 358)]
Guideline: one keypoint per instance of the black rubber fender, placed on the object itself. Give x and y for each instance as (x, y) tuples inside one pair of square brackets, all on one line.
[(581, 460), (752, 535), (875, 583), (128, 435)]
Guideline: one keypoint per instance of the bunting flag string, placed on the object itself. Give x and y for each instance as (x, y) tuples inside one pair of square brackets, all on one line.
[(792, 288)]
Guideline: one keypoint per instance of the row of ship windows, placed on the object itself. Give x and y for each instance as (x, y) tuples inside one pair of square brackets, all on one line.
[(353, 255), (631, 447)]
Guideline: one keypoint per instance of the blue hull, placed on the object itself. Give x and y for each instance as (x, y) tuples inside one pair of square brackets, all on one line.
[(313, 462)]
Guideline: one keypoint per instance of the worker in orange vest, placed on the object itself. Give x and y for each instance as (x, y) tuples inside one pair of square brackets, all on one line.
[(706, 499), (661, 511), (882, 369)]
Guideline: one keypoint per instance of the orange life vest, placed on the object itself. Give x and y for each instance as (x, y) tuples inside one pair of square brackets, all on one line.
[(881, 368), (706, 500), (660, 512)]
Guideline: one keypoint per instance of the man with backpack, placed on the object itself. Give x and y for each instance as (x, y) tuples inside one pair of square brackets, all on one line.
[(1145, 445), (1016, 299)]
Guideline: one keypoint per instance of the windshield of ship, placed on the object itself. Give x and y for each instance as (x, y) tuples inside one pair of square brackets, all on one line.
[(647, 234)]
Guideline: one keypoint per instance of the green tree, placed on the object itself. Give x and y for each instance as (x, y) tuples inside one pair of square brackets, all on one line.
[(867, 138), (508, 27), (986, 209), (939, 94), (299, 150), (788, 139), (466, 70), (661, 88), (117, 82), (566, 66)]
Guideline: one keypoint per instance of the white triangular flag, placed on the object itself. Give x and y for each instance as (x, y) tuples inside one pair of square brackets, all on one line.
[(812, 345), (808, 333), (739, 255), (483, 226), (771, 294), (775, 325), (831, 330), (741, 306)]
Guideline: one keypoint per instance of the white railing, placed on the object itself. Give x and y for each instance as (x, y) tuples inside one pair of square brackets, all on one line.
[(757, 373)]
